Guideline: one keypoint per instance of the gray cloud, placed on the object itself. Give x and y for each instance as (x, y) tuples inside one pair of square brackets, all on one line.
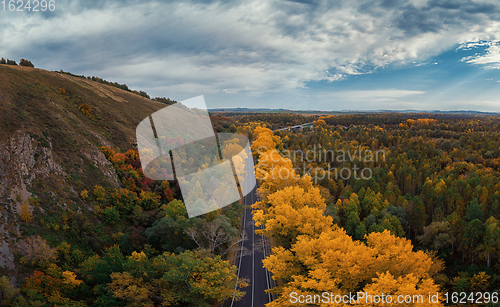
[(416, 21)]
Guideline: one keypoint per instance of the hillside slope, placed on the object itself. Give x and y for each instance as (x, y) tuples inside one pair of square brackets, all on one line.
[(49, 149)]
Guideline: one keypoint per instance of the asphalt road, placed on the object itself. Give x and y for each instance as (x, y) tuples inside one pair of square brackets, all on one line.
[(250, 263), (253, 249)]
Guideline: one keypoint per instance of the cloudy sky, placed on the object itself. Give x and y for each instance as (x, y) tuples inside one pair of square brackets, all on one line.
[(308, 55)]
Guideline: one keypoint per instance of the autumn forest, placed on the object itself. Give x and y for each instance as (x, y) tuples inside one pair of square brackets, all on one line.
[(425, 222), (422, 217)]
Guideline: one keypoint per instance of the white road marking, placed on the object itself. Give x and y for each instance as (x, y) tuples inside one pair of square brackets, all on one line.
[(253, 252), (253, 258), (241, 252)]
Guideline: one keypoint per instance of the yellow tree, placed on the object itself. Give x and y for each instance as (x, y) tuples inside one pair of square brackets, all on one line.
[(133, 290), (234, 149), (335, 263), (291, 212), (26, 214), (276, 172), (263, 140)]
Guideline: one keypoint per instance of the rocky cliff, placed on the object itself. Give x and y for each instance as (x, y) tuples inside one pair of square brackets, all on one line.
[(52, 126)]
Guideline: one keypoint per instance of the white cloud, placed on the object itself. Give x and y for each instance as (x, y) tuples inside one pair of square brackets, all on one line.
[(390, 94), (490, 59)]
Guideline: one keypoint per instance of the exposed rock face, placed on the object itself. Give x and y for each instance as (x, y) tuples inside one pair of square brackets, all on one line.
[(6, 255), (99, 160), (24, 158), (3, 170)]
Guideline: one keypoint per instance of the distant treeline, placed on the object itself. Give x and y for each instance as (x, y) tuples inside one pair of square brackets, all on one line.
[(272, 120), (22, 62), (121, 86)]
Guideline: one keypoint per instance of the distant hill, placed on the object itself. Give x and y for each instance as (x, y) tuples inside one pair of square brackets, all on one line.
[(316, 112), (458, 112), (248, 110)]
